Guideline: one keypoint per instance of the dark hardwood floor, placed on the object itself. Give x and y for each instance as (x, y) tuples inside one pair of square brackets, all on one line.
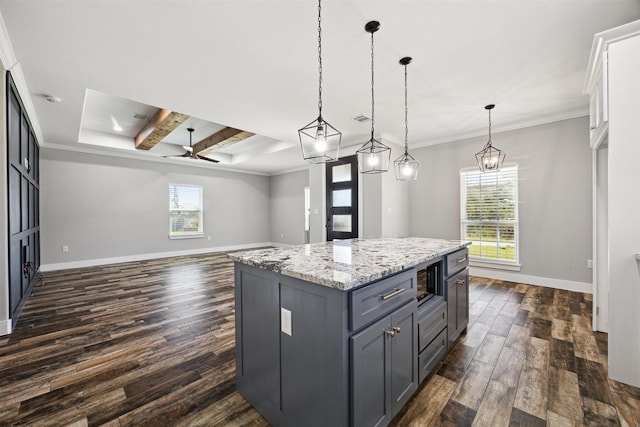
[(152, 343)]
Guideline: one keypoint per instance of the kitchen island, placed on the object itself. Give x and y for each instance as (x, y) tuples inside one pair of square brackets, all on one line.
[(332, 333)]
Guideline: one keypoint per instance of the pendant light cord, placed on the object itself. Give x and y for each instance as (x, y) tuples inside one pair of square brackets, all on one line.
[(406, 114), (319, 58), (489, 143), (373, 120)]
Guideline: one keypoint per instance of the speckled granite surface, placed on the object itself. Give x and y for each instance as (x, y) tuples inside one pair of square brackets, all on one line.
[(345, 264)]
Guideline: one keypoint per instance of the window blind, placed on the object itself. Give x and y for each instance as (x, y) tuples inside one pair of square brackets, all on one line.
[(185, 210), (489, 213)]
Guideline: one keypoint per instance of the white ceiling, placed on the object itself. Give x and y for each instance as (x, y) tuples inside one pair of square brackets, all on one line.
[(252, 65)]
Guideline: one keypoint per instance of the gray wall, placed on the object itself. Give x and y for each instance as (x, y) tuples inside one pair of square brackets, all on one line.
[(287, 207), (106, 207), (371, 205), (554, 194), (395, 200)]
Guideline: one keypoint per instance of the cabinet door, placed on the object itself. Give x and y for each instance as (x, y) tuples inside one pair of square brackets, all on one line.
[(462, 302), (404, 352), (452, 312), (370, 355)]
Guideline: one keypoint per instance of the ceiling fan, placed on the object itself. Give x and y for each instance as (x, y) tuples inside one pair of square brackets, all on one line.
[(190, 154)]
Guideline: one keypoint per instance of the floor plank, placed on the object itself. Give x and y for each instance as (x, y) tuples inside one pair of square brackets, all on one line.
[(152, 343)]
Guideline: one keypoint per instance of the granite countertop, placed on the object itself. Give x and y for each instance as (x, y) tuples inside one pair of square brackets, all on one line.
[(345, 264)]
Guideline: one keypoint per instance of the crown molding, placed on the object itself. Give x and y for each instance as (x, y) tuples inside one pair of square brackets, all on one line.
[(601, 42), (506, 128), (10, 63), (144, 157)]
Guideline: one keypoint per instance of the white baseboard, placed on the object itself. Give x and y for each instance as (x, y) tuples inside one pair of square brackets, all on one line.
[(567, 285), (142, 257), (5, 327)]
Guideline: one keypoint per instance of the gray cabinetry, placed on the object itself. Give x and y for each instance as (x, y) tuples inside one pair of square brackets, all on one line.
[(457, 293), (308, 354), (432, 334), (384, 367)]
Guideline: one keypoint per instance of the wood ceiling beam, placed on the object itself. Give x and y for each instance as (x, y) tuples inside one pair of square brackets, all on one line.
[(160, 125), (219, 140)]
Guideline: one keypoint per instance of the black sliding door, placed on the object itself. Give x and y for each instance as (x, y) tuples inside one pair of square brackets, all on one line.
[(342, 198), (23, 200)]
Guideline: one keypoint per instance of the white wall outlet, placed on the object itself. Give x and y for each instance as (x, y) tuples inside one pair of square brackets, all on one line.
[(285, 321), (208, 237), (589, 263), (281, 235), (65, 249)]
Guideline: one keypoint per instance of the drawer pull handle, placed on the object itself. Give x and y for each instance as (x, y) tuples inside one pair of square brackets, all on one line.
[(460, 282), (459, 260), (392, 294), (391, 333), (396, 329)]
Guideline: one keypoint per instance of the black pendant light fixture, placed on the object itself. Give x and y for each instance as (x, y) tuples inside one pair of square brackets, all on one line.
[(490, 158), (320, 142), (373, 156), (406, 166)]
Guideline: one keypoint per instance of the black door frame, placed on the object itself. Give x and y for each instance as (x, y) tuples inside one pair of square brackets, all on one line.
[(342, 210)]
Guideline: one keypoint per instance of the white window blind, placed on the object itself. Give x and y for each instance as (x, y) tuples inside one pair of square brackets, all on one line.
[(185, 211), (489, 214)]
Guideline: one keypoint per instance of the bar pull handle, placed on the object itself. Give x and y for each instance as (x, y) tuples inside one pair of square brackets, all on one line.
[(460, 282), (397, 291), (459, 260)]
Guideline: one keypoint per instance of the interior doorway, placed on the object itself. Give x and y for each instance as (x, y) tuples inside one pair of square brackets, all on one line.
[(342, 198)]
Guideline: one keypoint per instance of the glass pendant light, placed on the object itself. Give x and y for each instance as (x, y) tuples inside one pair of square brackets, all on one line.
[(373, 156), (406, 166), (490, 158), (320, 142)]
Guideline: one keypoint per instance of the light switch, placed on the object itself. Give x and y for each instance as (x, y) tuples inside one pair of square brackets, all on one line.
[(285, 320)]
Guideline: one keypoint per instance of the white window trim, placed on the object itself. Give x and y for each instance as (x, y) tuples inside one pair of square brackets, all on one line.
[(489, 263), (188, 234)]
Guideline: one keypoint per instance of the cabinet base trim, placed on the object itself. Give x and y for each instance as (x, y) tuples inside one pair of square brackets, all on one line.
[(567, 285)]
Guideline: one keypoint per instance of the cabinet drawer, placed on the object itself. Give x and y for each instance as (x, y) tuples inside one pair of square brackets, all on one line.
[(457, 261), (431, 323), (377, 299), (431, 355)]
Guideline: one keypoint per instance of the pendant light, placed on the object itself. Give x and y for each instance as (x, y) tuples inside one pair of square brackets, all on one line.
[(320, 142), (406, 166), (373, 156), (490, 158)]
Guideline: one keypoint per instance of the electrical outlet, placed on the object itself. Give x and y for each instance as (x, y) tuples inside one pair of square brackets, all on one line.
[(589, 263), (65, 249), (208, 237), (281, 235)]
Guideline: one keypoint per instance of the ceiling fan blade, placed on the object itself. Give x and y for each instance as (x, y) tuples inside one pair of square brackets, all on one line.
[(187, 154), (206, 158)]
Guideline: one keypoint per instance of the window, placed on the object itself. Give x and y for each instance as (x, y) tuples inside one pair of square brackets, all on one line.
[(185, 211), (489, 214)]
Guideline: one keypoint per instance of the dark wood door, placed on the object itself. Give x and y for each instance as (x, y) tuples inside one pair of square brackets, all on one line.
[(342, 198)]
